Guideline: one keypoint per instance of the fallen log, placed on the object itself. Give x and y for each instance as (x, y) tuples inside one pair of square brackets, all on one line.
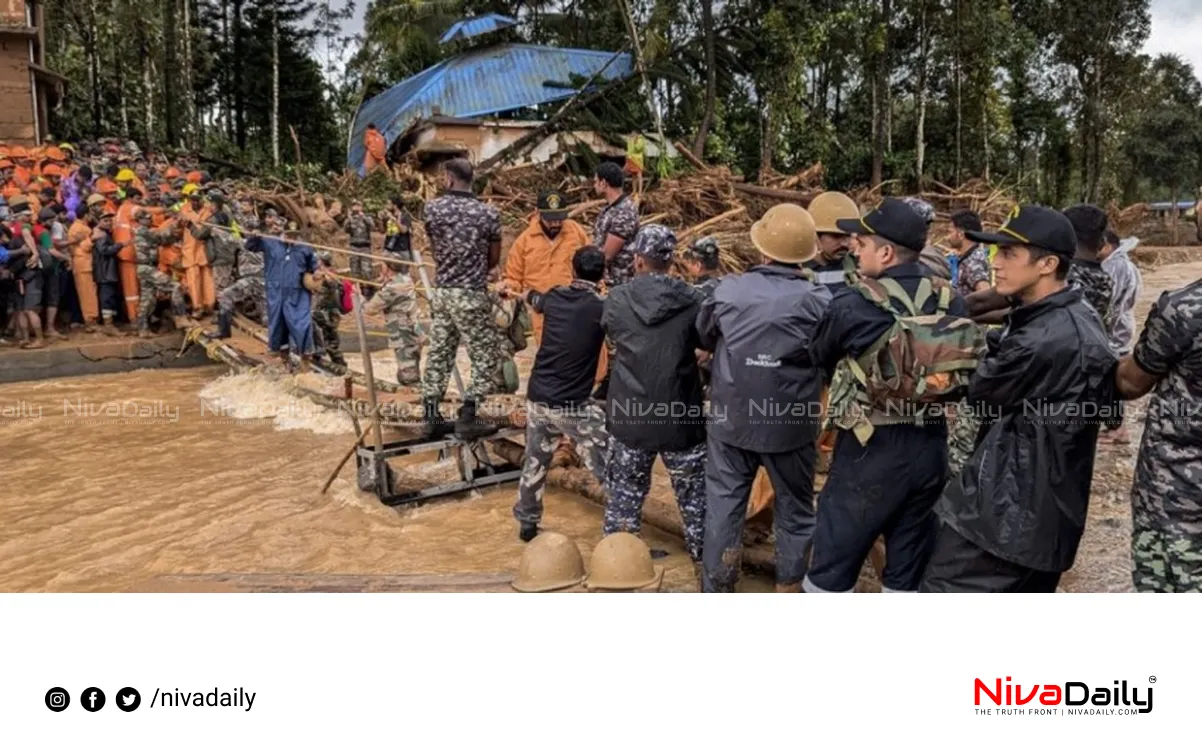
[(800, 197), (698, 228), (687, 154)]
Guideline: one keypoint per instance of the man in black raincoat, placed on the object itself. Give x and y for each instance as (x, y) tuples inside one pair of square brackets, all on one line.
[(1014, 516)]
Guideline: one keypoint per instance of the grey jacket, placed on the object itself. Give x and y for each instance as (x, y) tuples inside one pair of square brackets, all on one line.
[(765, 391)]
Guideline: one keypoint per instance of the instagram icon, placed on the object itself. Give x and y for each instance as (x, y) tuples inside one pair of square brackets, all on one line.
[(57, 699)]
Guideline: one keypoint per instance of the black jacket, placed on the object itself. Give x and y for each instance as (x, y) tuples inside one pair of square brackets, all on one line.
[(654, 401), (765, 390), (104, 261), (1043, 388), (566, 364)]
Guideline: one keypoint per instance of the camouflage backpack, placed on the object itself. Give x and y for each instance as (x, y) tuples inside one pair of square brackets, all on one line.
[(920, 359)]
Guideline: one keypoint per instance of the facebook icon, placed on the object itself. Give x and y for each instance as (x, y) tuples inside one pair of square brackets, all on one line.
[(92, 699)]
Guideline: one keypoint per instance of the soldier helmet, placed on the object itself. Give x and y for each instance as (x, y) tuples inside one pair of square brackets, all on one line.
[(705, 249), (622, 562), (786, 234), (551, 562), (828, 208)]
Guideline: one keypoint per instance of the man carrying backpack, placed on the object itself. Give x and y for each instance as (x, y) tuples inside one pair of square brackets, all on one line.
[(1014, 516), (890, 458)]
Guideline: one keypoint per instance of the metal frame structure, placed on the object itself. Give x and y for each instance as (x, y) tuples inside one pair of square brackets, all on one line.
[(476, 468)]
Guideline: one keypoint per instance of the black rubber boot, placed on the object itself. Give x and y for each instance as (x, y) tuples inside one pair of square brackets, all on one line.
[(436, 426), (224, 323), (528, 532), (469, 426)]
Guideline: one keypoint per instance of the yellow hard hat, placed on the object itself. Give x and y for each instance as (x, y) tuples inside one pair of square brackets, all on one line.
[(125, 175), (786, 233), (828, 208), (622, 562), (190, 188), (551, 562)]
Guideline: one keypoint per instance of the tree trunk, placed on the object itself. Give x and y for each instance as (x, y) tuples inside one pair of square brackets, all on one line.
[(881, 100), (275, 83), (189, 101), (648, 90), (226, 95), (711, 77), (94, 69), (920, 136), (169, 68), (985, 130), (148, 94), (959, 65), (122, 97), (1176, 217), (239, 89), (767, 139)]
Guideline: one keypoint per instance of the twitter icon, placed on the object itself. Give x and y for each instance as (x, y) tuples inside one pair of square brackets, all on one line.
[(128, 699)]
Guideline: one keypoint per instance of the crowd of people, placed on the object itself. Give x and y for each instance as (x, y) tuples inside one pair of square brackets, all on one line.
[(960, 391)]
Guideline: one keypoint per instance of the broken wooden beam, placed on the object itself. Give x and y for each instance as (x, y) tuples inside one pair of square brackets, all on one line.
[(330, 583), (781, 194)]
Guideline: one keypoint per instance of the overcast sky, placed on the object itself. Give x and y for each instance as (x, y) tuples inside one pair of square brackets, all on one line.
[(1176, 28)]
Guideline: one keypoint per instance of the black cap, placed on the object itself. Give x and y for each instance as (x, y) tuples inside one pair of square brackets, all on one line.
[(1037, 226), (894, 220), (553, 205)]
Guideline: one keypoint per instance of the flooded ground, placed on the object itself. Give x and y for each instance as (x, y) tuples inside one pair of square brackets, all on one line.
[(113, 480)]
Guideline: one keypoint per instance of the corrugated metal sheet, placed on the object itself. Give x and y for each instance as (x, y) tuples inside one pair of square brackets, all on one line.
[(482, 82), (477, 26)]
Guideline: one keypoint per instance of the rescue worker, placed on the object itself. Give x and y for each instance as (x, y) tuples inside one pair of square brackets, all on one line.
[(1127, 283), (560, 383), (931, 259), (195, 260), (30, 277), (1090, 223), (327, 311), (889, 465), (1014, 516), (465, 239), (375, 149), (359, 227), (704, 265), (1166, 537), (80, 238), (973, 272), (248, 292), (105, 272), (287, 267), (221, 243), (621, 563), (616, 225), (398, 229), (152, 281), (655, 405), (550, 563), (833, 259), (55, 264), (540, 259), (129, 201), (760, 325)]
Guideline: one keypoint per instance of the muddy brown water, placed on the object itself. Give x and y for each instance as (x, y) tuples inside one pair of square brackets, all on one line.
[(111, 481)]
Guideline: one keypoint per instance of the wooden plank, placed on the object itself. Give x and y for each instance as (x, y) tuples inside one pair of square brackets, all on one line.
[(327, 583)]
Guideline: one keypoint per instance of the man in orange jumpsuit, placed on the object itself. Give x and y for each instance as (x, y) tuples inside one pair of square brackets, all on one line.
[(376, 149), (127, 260), (541, 257), (198, 273), (80, 238)]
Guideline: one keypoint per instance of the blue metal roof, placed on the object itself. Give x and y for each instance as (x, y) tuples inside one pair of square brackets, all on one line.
[(482, 82), (477, 26)]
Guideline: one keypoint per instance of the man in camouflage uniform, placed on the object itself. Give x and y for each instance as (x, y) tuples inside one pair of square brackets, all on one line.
[(359, 227), (327, 310), (1086, 272), (705, 273), (150, 279), (465, 239), (248, 292), (222, 244), (1166, 502), (397, 299), (616, 224)]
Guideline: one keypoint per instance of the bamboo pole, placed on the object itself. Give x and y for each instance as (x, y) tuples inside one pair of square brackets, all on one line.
[(697, 228), (332, 249), (345, 458), (371, 383)]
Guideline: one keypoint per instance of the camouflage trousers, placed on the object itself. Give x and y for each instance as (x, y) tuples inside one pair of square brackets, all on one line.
[(249, 293), (325, 336), (585, 424), (455, 315), (1165, 562), (361, 266), (223, 277), (961, 439), (628, 480), (404, 338), (154, 282)]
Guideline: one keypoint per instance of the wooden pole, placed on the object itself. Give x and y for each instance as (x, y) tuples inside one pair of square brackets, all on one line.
[(371, 383), (345, 457), (332, 249)]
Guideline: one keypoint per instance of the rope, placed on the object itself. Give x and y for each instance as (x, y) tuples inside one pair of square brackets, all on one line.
[(370, 256)]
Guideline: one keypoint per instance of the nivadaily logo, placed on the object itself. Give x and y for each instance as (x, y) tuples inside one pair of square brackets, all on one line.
[(1071, 698)]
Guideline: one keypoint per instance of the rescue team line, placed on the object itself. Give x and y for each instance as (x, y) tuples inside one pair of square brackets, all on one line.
[(237, 698), (1051, 695)]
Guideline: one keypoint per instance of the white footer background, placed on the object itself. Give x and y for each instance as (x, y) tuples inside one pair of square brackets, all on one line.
[(581, 667)]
